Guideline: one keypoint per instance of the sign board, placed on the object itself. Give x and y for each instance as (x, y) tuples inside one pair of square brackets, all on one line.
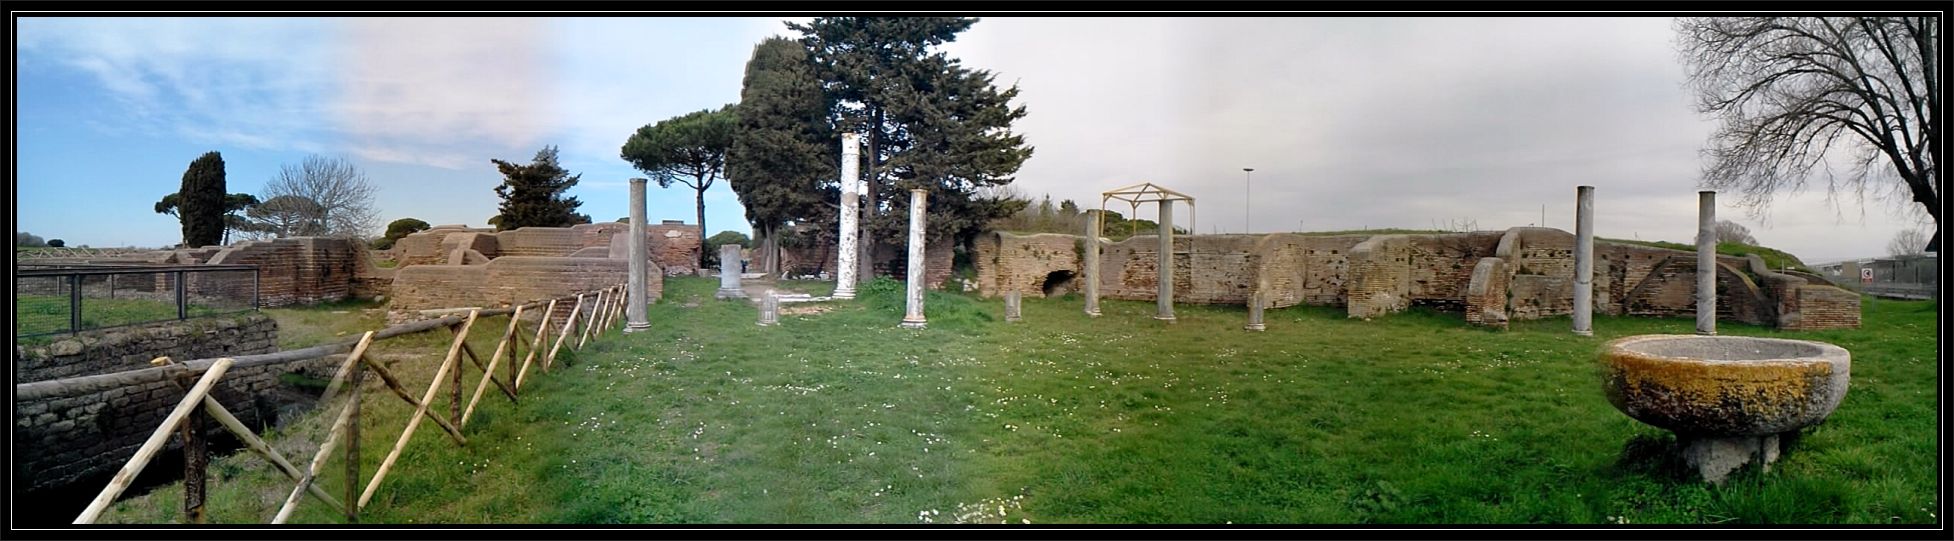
[(1866, 275)]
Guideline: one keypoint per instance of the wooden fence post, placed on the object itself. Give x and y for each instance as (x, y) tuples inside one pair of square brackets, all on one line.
[(196, 460), (149, 447), (353, 447)]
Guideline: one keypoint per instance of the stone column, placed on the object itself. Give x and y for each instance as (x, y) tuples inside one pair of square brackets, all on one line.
[(850, 198), (1255, 305), (918, 203), (1706, 263), (1013, 306), (769, 310), (1092, 263), (1165, 297), (729, 273), (1584, 260), (636, 294)]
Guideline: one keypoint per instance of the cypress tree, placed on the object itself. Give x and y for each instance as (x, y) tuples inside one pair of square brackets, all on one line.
[(200, 201), (532, 195)]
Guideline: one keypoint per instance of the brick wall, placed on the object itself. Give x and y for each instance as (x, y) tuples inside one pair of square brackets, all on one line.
[(1486, 293), (299, 270), (82, 433), (1021, 263), (424, 247), (1818, 307), (1373, 275), (1381, 276), (505, 281)]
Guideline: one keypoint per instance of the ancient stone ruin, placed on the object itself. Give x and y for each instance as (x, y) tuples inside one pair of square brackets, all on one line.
[(454, 266), (1492, 276)]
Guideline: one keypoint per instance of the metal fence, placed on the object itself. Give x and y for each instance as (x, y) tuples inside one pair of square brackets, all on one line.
[(1905, 277), (67, 299)]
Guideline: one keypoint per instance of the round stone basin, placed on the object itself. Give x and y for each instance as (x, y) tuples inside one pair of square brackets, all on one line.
[(1724, 386)]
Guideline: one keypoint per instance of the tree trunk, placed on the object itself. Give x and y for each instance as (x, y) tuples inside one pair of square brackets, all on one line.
[(703, 234), (865, 252)]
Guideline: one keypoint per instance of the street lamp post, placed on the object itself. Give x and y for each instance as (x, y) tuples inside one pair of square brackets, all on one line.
[(1246, 196)]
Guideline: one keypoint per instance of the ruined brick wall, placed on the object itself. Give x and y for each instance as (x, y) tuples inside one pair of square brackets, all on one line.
[(506, 281), (299, 270), (1486, 293), (1818, 307), (1013, 262), (1208, 269), (424, 247), (536, 241), (1442, 266), (78, 433), (479, 242), (1373, 275)]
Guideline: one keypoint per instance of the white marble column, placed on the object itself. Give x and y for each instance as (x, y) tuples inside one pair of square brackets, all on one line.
[(636, 294), (918, 204), (1092, 263), (1706, 263), (1165, 297), (1584, 260), (729, 273), (851, 158)]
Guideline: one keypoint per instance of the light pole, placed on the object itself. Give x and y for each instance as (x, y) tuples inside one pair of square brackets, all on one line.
[(1246, 196)]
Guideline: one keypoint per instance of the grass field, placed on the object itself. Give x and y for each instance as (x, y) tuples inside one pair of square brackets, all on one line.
[(37, 314), (841, 417)]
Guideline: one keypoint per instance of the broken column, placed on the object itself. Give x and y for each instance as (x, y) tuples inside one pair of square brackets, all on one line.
[(918, 202), (1706, 263), (1255, 304), (1013, 306), (729, 273), (769, 309), (1092, 263), (636, 294), (1165, 298), (1584, 260), (845, 255)]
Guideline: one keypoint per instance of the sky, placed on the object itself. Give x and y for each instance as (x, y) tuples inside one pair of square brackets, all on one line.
[(1348, 123)]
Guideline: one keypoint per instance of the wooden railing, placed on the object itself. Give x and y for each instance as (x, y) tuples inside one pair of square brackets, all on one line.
[(591, 315)]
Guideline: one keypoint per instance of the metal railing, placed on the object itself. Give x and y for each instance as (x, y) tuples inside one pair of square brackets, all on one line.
[(54, 299)]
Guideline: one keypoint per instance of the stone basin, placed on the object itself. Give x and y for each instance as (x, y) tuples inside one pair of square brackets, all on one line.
[(1727, 398)]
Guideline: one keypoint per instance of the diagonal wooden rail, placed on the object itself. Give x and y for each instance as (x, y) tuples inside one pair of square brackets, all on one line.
[(585, 319)]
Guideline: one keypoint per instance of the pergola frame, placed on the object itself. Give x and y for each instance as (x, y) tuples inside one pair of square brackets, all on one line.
[(1145, 192)]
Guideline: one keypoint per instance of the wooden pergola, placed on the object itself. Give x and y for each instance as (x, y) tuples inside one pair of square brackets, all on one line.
[(1145, 192)]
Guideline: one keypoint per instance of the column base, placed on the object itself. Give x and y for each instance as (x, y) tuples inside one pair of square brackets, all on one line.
[(1715, 458), (1700, 332), (914, 323), (1166, 318), (729, 294), (1257, 327), (843, 293), (1584, 333), (636, 327), (1092, 313), (767, 323)]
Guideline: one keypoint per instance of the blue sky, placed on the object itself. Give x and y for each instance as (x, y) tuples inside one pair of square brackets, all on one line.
[(1350, 123), (113, 110)]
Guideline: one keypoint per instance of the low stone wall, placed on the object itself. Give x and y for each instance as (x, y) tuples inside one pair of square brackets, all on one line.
[(1375, 275), (88, 430), (131, 348), (505, 281)]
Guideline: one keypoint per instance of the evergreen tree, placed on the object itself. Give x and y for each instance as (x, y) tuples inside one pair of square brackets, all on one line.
[(782, 162), (689, 149), (532, 195), (200, 201), (931, 123)]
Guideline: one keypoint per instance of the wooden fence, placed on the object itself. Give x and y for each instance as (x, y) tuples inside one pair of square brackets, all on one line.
[(591, 315)]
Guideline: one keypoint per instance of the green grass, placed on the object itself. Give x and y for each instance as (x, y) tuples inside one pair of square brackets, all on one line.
[(844, 418), (35, 314)]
